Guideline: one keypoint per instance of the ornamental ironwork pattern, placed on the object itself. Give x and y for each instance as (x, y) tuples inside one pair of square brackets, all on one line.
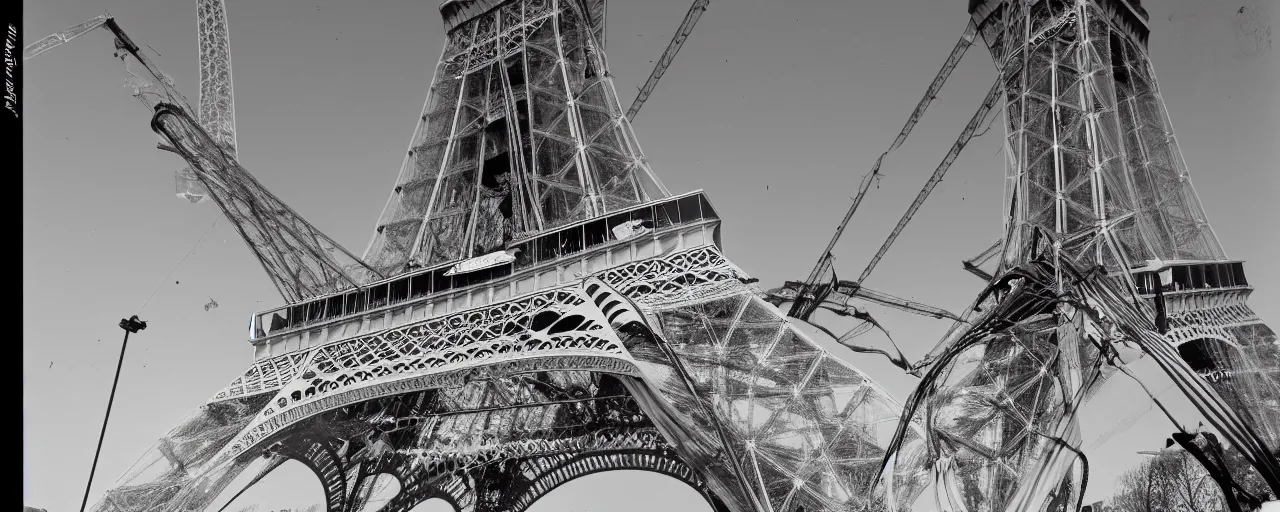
[(674, 278), (760, 412), (532, 324), (674, 364), (507, 337)]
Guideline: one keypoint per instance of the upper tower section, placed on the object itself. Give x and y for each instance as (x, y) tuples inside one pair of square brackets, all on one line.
[(1092, 155), (1126, 15), (522, 132)]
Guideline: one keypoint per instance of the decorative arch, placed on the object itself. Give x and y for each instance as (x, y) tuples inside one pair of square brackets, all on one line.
[(251, 487), (565, 329), (660, 462), (417, 487), (369, 491), (324, 462), (1182, 336), (420, 506), (1209, 361)]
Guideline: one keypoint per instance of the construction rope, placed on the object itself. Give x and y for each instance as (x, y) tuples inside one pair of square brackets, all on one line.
[(190, 251), (824, 261), (993, 95)]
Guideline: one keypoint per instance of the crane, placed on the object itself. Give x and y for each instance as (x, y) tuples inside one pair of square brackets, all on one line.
[(53, 40), (843, 292), (824, 290), (803, 295), (811, 294), (814, 295), (677, 42), (965, 136), (301, 261), (217, 106)]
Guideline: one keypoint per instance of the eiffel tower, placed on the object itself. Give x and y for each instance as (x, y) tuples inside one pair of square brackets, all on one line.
[(536, 307), (1095, 163), (1106, 244)]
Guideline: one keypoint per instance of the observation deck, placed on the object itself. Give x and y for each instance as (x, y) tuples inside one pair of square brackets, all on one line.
[(551, 258)]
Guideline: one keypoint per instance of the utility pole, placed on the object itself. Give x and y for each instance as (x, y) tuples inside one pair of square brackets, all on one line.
[(130, 325)]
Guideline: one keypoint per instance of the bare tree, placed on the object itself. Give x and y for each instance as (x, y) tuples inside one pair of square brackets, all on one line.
[(309, 508), (1246, 476), (1172, 481)]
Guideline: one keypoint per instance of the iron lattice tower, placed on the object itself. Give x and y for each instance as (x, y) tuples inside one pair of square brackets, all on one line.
[(1098, 206), (1096, 181), (1094, 162), (521, 133), (551, 311)]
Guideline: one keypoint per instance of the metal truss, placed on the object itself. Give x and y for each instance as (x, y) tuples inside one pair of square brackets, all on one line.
[(1096, 183), (669, 364), (1096, 167), (217, 103), (522, 131), (301, 261), (58, 39), (673, 364), (1003, 394), (1094, 159), (668, 55)]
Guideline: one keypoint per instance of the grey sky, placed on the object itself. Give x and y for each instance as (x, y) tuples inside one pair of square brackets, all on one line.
[(776, 109)]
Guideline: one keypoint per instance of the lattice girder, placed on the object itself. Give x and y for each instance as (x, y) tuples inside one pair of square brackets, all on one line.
[(797, 423), (1003, 395), (762, 417), (217, 102), (1093, 157), (433, 440), (1095, 164), (522, 132), (491, 466), (301, 261)]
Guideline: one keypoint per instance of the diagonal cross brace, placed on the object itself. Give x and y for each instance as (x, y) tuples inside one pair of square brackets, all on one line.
[(301, 261)]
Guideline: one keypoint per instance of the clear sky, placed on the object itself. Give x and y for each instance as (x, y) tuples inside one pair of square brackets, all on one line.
[(776, 109)]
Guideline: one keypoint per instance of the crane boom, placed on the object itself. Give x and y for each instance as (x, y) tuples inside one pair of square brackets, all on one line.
[(841, 293), (53, 40), (682, 33), (301, 261), (217, 108), (965, 136), (852, 289), (803, 308)]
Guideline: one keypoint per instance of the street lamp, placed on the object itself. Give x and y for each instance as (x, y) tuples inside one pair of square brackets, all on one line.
[(130, 325)]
